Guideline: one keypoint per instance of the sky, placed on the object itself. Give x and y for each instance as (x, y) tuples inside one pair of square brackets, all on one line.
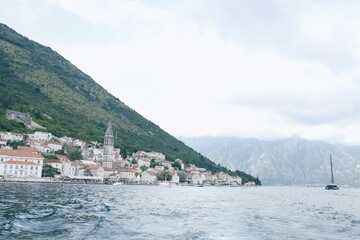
[(255, 69)]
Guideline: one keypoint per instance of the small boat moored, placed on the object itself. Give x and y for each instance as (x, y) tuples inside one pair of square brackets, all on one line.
[(331, 186)]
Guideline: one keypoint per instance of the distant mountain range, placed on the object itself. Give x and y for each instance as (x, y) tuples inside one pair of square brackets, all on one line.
[(289, 161), (60, 97)]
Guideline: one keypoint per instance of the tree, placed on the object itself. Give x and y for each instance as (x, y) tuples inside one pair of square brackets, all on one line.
[(87, 172), (144, 168), (73, 152), (15, 144), (123, 153), (164, 176), (134, 161), (75, 155), (177, 165), (153, 163), (182, 176), (49, 171)]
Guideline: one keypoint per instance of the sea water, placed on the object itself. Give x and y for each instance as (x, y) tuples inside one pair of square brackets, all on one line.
[(67, 211)]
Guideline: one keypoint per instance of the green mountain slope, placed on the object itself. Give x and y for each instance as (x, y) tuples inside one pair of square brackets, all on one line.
[(66, 101)]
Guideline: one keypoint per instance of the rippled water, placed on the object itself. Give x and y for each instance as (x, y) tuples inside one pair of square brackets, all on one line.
[(60, 211)]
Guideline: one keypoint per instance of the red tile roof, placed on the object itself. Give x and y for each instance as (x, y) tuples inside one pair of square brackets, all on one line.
[(28, 149), (51, 161), (92, 167), (126, 170), (53, 143), (75, 164), (19, 153)]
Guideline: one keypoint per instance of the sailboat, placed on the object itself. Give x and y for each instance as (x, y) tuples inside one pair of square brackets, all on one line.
[(332, 186)]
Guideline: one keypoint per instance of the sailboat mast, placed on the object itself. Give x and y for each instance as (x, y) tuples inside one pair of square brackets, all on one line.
[(332, 174)]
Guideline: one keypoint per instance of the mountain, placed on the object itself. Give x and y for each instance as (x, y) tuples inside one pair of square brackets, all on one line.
[(286, 162), (60, 97)]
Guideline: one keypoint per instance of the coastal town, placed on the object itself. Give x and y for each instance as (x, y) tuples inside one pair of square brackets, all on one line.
[(96, 163)]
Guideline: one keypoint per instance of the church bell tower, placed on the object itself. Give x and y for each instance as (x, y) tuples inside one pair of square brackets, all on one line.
[(108, 155)]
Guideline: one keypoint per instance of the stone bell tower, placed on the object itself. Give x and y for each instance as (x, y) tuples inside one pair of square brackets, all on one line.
[(108, 155)]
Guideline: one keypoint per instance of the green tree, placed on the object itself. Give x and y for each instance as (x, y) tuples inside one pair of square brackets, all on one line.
[(75, 155), (50, 156), (177, 165), (153, 163), (123, 153), (144, 168), (164, 176), (49, 171), (87, 172), (182, 176), (15, 144)]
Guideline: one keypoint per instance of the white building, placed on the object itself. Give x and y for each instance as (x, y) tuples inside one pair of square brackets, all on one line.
[(42, 136), (9, 136), (152, 155), (196, 178), (17, 163), (53, 146), (126, 174), (143, 162), (175, 177), (3, 141), (148, 177)]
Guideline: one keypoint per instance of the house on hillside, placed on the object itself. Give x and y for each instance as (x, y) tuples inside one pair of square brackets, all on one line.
[(52, 147), (144, 162), (121, 164), (41, 136), (3, 142), (148, 177), (126, 174), (9, 136)]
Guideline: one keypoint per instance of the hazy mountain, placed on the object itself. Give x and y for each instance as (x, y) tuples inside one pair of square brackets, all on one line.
[(60, 97), (286, 161)]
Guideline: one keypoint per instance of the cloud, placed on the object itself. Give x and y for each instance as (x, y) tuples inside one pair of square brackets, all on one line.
[(308, 30), (339, 107), (231, 67), (113, 13)]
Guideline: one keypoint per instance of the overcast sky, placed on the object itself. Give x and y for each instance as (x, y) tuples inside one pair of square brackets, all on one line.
[(263, 69)]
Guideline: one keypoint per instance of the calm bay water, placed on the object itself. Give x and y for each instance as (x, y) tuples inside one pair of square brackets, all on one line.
[(61, 211)]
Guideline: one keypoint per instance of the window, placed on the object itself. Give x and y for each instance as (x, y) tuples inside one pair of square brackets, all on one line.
[(4, 171), (31, 168), (5, 166), (10, 166)]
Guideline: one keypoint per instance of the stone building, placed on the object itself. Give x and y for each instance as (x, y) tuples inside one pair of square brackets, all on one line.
[(19, 116)]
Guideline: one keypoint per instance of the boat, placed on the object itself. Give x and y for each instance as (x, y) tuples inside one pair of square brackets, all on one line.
[(117, 183), (331, 186), (164, 183)]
